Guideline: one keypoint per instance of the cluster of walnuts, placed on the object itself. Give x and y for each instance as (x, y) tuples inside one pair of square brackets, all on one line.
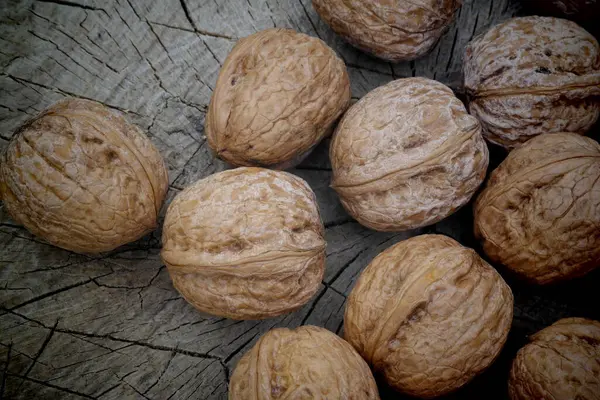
[(427, 314)]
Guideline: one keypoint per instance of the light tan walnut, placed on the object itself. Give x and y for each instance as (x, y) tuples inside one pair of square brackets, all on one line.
[(561, 362), (308, 362), (533, 75), (82, 178), (394, 30), (539, 214), (429, 314), (407, 155), (277, 96), (246, 243)]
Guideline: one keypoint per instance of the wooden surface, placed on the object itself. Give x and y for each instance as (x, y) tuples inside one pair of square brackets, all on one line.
[(112, 326)]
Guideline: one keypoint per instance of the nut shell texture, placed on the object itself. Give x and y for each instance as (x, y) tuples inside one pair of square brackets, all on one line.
[(246, 243), (540, 212), (407, 155), (429, 314), (394, 30), (278, 94), (561, 362), (305, 363), (533, 75), (82, 178)]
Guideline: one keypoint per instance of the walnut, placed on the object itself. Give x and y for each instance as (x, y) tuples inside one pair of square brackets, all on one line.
[(308, 362), (540, 212), (82, 178), (578, 10), (407, 155), (533, 75), (429, 314), (277, 96), (246, 243), (396, 30), (561, 362)]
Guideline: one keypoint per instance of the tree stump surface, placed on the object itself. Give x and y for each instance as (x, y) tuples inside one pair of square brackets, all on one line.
[(112, 326)]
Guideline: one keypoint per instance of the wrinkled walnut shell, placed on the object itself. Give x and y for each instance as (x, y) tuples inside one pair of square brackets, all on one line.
[(397, 30), (82, 178), (577, 10), (308, 362), (246, 243), (277, 96), (533, 75), (539, 214), (561, 362), (429, 314), (407, 155)]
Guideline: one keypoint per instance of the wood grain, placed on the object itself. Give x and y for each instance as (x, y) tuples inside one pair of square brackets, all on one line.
[(112, 326)]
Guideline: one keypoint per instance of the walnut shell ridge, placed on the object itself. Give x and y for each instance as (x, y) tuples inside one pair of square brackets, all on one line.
[(308, 362), (561, 362), (82, 178), (397, 30), (539, 213), (407, 155), (278, 95), (429, 314), (533, 75), (246, 243)]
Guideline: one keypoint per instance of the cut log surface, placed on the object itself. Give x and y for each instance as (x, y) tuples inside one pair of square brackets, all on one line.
[(112, 326)]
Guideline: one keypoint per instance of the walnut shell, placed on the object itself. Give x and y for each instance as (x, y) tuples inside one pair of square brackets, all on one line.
[(578, 10), (533, 75), (246, 243), (561, 362), (277, 96), (81, 177), (396, 30), (429, 314), (308, 362), (540, 212), (407, 155)]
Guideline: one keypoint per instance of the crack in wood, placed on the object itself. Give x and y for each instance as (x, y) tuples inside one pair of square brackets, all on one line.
[(116, 339), (52, 293), (73, 4), (313, 306), (39, 353), (3, 386), (50, 385), (188, 16)]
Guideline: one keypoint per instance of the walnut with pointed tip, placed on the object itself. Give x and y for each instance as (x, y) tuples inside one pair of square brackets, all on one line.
[(407, 155), (81, 177), (429, 314), (533, 75), (277, 96), (308, 362), (561, 362), (246, 243)]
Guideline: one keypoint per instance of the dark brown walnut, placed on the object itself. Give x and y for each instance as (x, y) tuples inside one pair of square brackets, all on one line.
[(561, 362), (277, 96), (308, 362), (81, 177), (429, 315), (540, 212), (533, 75), (577, 10), (395, 30), (246, 243), (407, 155)]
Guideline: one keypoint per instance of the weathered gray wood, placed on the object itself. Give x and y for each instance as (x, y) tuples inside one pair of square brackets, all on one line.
[(112, 326)]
